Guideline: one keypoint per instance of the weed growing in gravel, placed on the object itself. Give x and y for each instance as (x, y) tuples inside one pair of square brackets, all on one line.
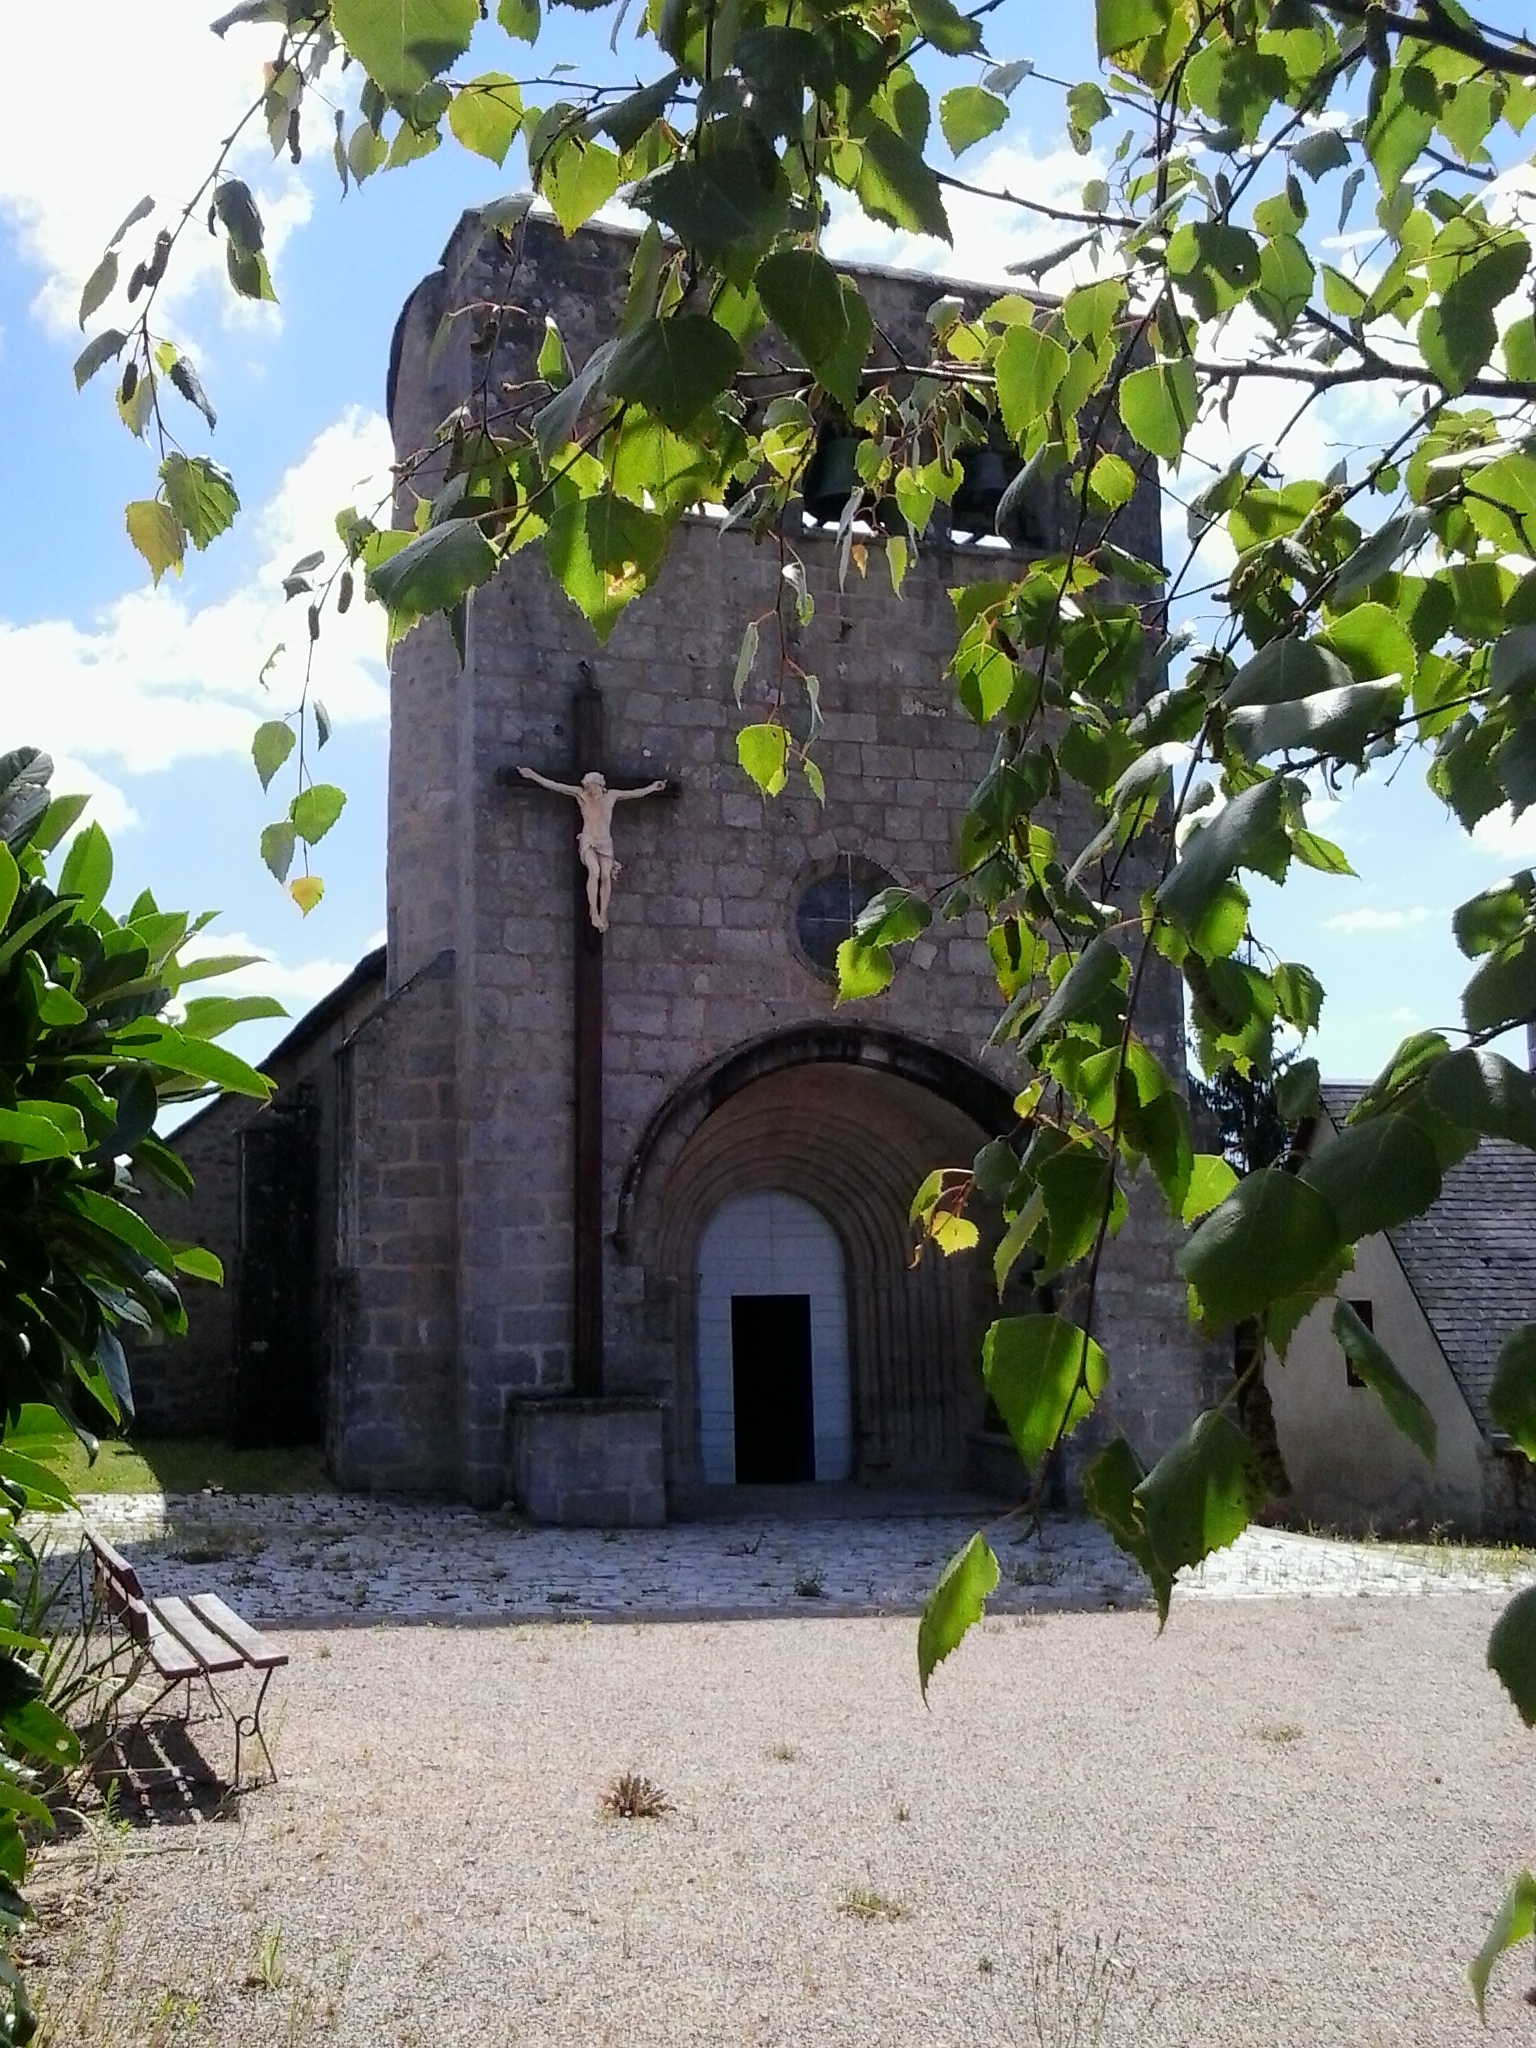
[(1073, 2000), (783, 1752), (1281, 1733), (268, 1973), (871, 1905), (633, 1798), (810, 1586)]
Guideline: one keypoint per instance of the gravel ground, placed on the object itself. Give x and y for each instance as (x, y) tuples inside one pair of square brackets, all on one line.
[(331, 1557), (1291, 1819)]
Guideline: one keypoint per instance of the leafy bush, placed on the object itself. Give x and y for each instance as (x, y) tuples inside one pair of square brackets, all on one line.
[(88, 1057)]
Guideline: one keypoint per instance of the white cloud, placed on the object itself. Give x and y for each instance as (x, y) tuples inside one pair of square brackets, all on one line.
[(1368, 920), (989, 235), (298, 984), (1504, 837), (156, 679), (162, 96)]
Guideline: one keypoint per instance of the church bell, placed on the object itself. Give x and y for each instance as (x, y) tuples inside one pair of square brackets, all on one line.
[(831, 477)]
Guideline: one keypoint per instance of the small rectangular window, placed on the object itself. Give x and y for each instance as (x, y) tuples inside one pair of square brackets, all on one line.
[(1366, 1314)]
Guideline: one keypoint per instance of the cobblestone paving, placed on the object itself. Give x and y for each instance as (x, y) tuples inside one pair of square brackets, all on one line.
[(326, 1557)]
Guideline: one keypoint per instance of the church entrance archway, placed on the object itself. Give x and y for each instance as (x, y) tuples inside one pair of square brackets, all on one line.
[(774, 1400)]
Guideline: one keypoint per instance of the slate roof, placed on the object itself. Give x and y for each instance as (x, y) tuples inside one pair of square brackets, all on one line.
[(1471, 1259)]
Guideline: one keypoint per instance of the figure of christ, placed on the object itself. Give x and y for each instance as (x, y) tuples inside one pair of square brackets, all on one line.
[(594, 842)]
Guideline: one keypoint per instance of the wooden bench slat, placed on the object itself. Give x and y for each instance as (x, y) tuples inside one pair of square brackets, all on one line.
[(210, 1650), (114, 1564), (173, 1660), (253, 1646)]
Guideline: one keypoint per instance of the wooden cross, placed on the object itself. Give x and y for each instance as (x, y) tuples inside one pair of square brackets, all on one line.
[(593, 871)]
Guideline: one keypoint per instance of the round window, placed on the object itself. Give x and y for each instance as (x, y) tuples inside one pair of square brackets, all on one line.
[(827, 906)]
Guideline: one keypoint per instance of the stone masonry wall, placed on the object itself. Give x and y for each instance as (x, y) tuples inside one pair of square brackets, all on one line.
[(393, 1424), (699, 957)]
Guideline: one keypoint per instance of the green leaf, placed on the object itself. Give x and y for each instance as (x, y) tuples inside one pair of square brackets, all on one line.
[(486, 113), (404, 44), (674, 367), (840, 371), (968, 115), (201, 495), (577, 178), (1285, 282), (249, 273), (1044, 1375), (1158, 405), (212, 1016), (277, 844), (1404, 101), (1336, 722), (603, 552), (762, 751), (1369, 1358), (1283, 672), (1109, 1493), (1495, 918), (1512, 1653), (1457, 337), (943, 25), (101, 348), (1503, 990), (34, 1726), (236, 207), (200, 1264), (168, 1048), (1323, 151), (10, 881), (955, 1603), (895, 185), (1030, 367), (892, 916), (432, 573), (1099, 968), (520, 19), (727, 200), (1514, 1922), (273, 742), (99, 286), (1120, 24), (1512, 1396), (1484, 1092), (1211, 1180), (1201, 1494), (156, 532), (1248, 832), (626, 121), (315, 810), (87, 869), (803, 296), (1375, 1174), (1270, 1236), (862, 970)]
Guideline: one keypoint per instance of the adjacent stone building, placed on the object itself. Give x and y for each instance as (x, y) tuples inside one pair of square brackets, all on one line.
[(725, 1292)]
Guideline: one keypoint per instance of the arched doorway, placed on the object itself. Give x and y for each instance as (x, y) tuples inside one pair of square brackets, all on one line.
[(774, 1400)]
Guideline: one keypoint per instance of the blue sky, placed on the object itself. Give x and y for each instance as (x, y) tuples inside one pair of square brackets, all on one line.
[(149, 699)]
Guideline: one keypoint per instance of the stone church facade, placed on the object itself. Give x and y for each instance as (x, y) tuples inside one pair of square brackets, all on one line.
[(759, 1144)]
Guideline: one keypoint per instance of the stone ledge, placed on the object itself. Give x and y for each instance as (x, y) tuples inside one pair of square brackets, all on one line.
[(585, 1463)]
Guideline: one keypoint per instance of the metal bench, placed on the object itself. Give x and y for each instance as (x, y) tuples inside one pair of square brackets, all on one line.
[(198, 1641)]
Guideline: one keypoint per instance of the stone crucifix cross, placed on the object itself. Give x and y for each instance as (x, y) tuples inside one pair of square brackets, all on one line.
[(595, 797)]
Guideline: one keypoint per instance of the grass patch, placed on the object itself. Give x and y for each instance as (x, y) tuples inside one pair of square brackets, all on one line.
[(1281, 1734), (868, 1905), (160, 1465)]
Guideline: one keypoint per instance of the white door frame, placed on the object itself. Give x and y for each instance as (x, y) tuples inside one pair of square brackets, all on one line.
[(771, 1242)]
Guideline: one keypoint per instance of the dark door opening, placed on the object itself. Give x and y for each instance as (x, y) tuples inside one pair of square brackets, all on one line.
[(277, 1350), (771, 1380)]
